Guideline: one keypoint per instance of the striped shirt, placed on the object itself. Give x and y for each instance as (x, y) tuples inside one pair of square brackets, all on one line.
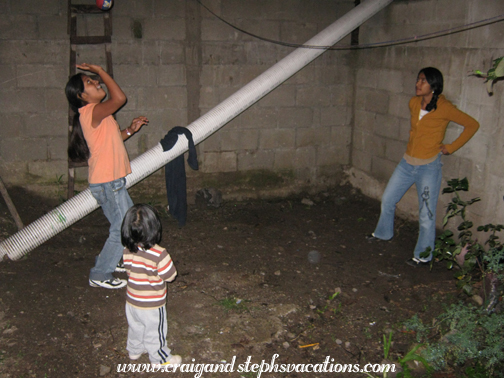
[(147, 272)]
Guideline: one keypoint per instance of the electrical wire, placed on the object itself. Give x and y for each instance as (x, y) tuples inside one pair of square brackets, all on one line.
[(396, 42)]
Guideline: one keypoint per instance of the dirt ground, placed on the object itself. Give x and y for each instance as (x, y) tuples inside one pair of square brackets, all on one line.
[(248, 285)]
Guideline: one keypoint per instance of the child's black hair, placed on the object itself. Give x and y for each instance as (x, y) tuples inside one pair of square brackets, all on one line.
[(141, 227), (78, 150), (435, 79)]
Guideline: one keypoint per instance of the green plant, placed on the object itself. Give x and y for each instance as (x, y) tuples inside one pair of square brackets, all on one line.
[(494, 74), (386, 345), (475, 261), (234, 304), (465, 335), (328, 302)]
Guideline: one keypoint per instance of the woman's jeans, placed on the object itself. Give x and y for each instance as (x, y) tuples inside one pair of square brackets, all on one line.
[(427, 179), (114, 201)]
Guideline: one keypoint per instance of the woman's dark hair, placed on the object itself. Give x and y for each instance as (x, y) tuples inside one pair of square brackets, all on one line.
[(141, 227), (78, 150), (435, 79)]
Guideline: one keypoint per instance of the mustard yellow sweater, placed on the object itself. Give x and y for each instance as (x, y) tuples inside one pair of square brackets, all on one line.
[(427, 134)]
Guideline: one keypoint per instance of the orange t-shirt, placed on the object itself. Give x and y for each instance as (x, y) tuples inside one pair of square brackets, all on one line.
[(108, 159)]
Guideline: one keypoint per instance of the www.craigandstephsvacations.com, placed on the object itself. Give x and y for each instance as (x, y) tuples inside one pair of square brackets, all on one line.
[(327, 366)]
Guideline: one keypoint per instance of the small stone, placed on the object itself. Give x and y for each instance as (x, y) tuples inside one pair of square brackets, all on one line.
[(477, 299), (286, 345), (354, 290), (314, 257), (10, 331), (277, 273), (104, 370), (347, 344), (339, 342), (306, 201)]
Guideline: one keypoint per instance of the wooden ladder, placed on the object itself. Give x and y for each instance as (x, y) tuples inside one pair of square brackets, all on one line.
[(75, 10)]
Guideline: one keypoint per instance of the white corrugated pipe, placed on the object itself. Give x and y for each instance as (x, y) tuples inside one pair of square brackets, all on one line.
[(82, 204)]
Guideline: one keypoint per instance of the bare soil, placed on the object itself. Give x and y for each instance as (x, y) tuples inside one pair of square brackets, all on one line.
[(247, 286)]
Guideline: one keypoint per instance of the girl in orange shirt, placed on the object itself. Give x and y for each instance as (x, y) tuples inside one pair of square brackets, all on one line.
[(97, 139)]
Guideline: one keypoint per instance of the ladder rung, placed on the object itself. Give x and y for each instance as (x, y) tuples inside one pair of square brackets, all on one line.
[(85, 9), (90, 40)]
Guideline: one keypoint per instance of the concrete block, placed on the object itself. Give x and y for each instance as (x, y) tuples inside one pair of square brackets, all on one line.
[(361, 160), (43, 7), (246, 139), (309, 136), (12, 125), (18, 149), (387, 126), (377, 101), (265, 28), (277, 138), (57, 148), (329, 155), (394, 150), (250, 72), (7, 76), (219, 162), (216, 30), (313, 96), (18, 27), (46, 125), (133, 7), (335, 115), (307, 75), (33, 52), (334, 75), (209, 97), (390, 80), (23, 100), (404, 129), (260, 9), (42, 76), (165, 97), (49, 171), (303, 157), (342, 95), (227, 76), (212, 143), (365, 121), (261, 53), (170, 9), (131, 75), (399, 105), (170, 52), (53, 27), (260, 118), (165, 30), (261, 159), (127, 53), (284, 95), (367, 78), (295, 32), (295, 117), (55, 100), (219, 53), (382, 169), (173, 74)]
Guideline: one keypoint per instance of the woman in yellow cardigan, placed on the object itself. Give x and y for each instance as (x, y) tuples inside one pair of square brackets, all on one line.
[(421, 165)]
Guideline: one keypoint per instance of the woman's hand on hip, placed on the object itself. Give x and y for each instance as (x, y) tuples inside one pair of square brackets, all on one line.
[(443, 150)]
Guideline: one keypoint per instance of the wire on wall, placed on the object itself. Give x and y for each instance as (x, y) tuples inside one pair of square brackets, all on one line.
[(395, 42)]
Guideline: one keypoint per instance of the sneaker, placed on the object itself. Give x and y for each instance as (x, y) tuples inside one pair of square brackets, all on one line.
[(173, 360), (136, 356), (115, 283), (120, 267), (371, 238), (417, 262)]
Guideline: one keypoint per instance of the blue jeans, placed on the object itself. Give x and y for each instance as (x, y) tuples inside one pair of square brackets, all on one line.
[(114, 201), (427, 179)]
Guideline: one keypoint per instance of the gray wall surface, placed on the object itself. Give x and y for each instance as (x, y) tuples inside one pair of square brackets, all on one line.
[(175, 61)]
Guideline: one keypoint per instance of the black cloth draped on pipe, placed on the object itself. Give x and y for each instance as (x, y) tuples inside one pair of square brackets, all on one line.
[(175, 173)]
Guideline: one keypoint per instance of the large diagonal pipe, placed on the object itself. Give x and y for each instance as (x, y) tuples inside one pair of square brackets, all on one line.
[(79, 206)]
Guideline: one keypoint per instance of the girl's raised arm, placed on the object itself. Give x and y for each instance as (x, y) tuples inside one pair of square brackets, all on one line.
[(116, 98)]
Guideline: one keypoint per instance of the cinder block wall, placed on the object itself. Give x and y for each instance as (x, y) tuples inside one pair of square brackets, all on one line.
[(175, 61), (385, 81)]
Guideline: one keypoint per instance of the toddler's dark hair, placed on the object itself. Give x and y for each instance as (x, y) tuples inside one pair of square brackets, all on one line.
[(141, 227)]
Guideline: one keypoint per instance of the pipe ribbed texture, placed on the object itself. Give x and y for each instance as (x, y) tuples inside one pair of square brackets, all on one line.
[(82, 204)]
